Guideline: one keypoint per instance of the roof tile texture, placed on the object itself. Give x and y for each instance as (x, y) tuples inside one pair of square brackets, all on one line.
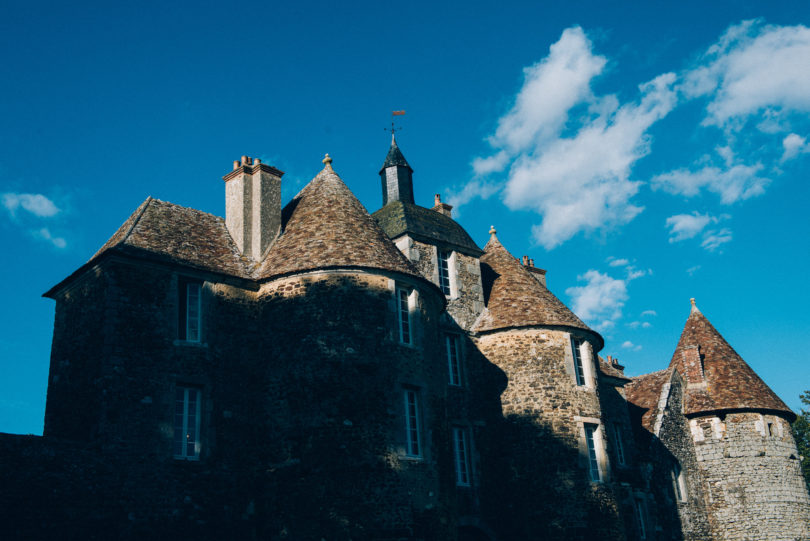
[(514, 298)]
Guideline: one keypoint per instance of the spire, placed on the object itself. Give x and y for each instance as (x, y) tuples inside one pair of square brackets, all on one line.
[(717, 377), (396, 176)]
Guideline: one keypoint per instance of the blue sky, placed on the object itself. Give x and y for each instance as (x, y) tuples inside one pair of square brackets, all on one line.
[(642, 153)]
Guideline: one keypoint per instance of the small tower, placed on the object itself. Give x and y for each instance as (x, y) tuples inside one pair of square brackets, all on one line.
[(396, 176)]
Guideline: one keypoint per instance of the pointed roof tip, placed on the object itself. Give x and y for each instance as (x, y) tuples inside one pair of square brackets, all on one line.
[(694, 309), (327, 161), (492, 230), (395, 157)]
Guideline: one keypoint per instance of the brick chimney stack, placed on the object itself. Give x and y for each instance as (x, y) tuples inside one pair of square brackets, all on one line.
[(442, 208), (253, 205)]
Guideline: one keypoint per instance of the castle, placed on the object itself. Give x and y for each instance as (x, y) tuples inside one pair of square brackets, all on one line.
[(314, 371)]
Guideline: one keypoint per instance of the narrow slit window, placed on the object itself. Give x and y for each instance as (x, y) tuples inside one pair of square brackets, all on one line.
[(453, 361), (618, 443), (190, 310), (461, 451), (444, 272), (641, 519), (579, 369), (593, 459), (679, 482), (404, 315), (187, 410), (412, 424)]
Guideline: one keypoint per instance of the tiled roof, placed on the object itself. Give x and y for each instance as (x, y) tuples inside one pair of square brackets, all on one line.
[(423, 224), (644, 392), (175, 234), (394, 157), (326, 226), (514, 298), (611, 371), (730, 383)]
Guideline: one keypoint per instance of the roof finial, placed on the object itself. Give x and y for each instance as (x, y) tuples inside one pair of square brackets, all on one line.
[(327, 161), (393, 128), (694, 306), (492, 230)]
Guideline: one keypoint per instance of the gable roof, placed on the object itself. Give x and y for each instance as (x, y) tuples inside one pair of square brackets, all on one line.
[(515, 298), (426, 225), (326, 226), (173, 234), (730, 384), (644, 392)]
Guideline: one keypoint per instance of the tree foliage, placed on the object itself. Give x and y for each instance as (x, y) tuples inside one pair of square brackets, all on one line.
[(801, 431)]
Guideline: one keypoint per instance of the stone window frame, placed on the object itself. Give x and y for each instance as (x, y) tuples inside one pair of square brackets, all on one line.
[(185, 285), (182, 453), (405, 301), (679, 482), (641, 516), (579, 349), (452, 274), (414, 440), (591, 433), (452, 344), (462, 455)]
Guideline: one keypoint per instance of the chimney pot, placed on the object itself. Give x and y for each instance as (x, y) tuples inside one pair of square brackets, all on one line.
[(525, 261), (257, 161), (245, 160), (437, 199), (235, 165), (531, 262)]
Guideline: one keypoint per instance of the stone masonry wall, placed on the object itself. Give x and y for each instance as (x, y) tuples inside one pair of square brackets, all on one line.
[(753, 484), (541, 437)]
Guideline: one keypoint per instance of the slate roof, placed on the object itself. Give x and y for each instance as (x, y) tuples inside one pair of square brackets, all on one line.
[(730, 383), (326, 226), (394, 157), (610, 371), (398, 218), (514, 298)]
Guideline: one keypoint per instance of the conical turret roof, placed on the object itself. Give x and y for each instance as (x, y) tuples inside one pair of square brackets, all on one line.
[(325, 226), (514, 298), (730, 384), (394, 157)]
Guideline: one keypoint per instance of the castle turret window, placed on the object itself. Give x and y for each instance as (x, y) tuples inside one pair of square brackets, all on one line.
[(190, 310), (461, 452), (678, 482), (593, 457), (187, 412), (618, 443), (453, 358), (444, 272), (413, 443), (579, 367), (404, 315)]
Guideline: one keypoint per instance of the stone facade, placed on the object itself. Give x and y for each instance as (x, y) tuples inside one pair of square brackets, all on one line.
[(373, 377)]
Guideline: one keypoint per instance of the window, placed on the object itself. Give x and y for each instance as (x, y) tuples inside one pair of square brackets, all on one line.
[(187, 410), (444, 272), (579, 369), (593, 460), (453, 358), (413, 446), (404, 315), (619, 444), (461, 451), (190, 310), (641, 518), (678, 482)]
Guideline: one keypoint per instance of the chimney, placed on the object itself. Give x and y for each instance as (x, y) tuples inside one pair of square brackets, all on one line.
[(525, 261), (614, 362), (442, 208), (253, 205)]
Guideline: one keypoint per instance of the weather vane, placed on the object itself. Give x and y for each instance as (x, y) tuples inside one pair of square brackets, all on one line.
[(393, 114)]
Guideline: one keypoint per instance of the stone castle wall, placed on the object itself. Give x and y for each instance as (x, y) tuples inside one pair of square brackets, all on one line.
[(752, 481)]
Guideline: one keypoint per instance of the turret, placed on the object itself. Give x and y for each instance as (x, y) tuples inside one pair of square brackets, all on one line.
[(396, 176)]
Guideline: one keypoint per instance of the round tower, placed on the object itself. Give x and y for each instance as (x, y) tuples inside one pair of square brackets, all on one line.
[(747, 461), (353, 389), (552, 425)]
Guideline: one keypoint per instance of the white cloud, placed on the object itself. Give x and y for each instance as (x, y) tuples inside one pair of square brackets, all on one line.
[(600, 299), (794, 145), (732, 184), (471, 190), (692, 270), (754, 68), (45, 233), (637, 324), (686, 226), (713, 239), (627, 344), (650, 313), (37, 204), (618, 262)]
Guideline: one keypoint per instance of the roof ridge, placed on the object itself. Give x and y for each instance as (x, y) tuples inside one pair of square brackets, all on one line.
[(144, 206)]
